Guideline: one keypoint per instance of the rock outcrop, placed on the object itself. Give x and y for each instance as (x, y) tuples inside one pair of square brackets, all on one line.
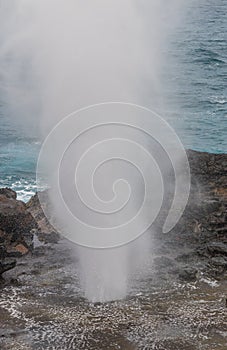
[(16, 224), (45, 232), (203, 227)]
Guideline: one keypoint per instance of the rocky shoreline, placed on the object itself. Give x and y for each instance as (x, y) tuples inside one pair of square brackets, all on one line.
[(202, 229), (180, 303)]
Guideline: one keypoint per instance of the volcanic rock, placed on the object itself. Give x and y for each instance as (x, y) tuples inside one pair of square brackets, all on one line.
[(217, 248), (16, 224), (6, 265), (8, 192), (189, 274), (45, 233)]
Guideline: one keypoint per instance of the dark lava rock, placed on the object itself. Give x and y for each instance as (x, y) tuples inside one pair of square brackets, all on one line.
[(203, 226), (3, 252), (45, 233), (8, 192), (6, 265), (15, 220), (186, 257), (219, 261), (16, 224), (51, 237), (212, 249), (217, 248), (189, 274)]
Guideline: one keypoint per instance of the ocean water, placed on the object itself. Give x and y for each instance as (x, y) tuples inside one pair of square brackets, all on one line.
[(199, 77), (195, 93)]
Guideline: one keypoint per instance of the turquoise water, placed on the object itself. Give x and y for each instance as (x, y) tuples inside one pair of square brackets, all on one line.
[(196, 73)]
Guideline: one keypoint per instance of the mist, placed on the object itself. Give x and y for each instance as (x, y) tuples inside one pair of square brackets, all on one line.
[(59, 56)]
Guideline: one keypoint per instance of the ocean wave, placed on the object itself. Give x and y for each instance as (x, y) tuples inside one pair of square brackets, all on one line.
[(209, 61), (25, 188), (217, 100)]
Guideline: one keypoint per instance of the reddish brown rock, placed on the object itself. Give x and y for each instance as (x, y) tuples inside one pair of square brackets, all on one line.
[(21, 249)]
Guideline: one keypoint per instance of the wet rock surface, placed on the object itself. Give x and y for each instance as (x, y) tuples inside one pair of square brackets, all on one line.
[(179, 304), (45, 309)]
